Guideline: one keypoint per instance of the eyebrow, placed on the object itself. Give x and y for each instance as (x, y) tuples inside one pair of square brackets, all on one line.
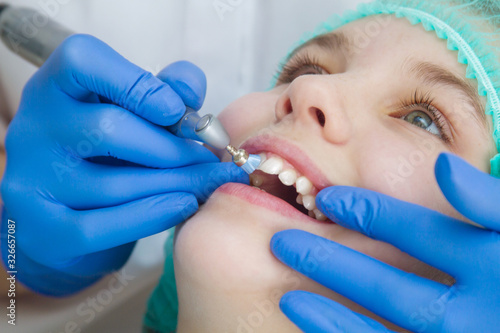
[(333, 41), (434, 75)]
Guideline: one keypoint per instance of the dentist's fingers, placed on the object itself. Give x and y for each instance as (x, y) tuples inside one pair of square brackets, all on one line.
[(113, 186), (108, 130), (83, 65), (187, 80), (81, 232), (432, 237), (389, 292), (471, 191), (314, 314)]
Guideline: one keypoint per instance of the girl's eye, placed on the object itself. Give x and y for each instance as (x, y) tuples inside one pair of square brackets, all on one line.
[(420, 111), (310, 69), (422, 120), (297, 66)]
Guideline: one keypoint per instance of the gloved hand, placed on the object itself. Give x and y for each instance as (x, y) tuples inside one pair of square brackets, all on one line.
[(466, 252), (86, 178)]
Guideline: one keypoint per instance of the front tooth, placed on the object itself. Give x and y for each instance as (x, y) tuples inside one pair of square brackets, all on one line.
[(288, 177), (272, 166), (309, 202), (304, 185), (263, 157), (256, 180), (319, 215)]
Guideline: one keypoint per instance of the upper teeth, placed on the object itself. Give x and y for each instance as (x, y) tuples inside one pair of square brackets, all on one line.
[(272, 166), (288, 177), (275, 165), (304, 185)]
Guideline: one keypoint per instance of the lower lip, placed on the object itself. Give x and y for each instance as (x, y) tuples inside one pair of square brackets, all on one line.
[(266, 200)]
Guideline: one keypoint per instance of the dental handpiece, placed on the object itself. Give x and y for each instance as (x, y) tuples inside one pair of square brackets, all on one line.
[(208, 129), (33, 36)]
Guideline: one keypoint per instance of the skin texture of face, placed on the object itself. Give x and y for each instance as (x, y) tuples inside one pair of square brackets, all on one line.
[(227, 278)]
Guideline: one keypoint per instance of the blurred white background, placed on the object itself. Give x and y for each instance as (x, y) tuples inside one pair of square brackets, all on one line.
[(238, 43)]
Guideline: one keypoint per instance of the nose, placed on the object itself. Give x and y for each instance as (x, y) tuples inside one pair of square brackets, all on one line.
[(317, 102)]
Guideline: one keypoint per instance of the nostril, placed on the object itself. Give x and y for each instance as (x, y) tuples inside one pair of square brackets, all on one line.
[(288, 107), (321, 117), (283, 109)]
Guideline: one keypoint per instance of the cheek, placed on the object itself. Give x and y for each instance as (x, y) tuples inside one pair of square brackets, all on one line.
[(248, 114), (404, 169)]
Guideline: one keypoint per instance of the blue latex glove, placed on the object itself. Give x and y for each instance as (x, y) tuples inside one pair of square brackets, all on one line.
[(466, 252), (85, 179)]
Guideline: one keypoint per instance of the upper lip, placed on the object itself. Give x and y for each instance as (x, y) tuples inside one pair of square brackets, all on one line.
[(290, 152)]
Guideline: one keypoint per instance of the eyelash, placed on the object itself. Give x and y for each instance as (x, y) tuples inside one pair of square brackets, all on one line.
[(301, 64), (298, 64), (421, 100)]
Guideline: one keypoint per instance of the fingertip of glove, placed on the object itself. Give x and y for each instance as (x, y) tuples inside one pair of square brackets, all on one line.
[(188, 80), (443, 165), (333, 192), (280, 239), (275, 242), (289, 300), (293, 301), (190, 93), (236, 173), (449, 166), (453, 173), (330, 199), (344, 205), (188, 203), (173, 110)]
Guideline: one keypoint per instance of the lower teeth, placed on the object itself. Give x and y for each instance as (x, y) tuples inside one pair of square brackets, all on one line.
[(259, 188), (256, 180), (319, 215), (309, 202), (306, 201)]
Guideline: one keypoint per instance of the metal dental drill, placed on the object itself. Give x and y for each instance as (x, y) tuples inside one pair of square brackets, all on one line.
[(35, 43), (208, 129)]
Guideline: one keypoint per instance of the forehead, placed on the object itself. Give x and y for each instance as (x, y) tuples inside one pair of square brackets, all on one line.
[(388, 40)]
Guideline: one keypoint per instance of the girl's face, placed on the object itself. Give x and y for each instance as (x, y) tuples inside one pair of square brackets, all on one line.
[(371, 105)]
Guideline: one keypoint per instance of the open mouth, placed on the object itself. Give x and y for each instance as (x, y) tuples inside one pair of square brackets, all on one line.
[(281, 179)]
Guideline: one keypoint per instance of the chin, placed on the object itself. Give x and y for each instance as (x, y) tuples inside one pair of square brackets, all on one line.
[(226, 274)]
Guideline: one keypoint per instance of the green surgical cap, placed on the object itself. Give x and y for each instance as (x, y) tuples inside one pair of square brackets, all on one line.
[(470, 27)]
